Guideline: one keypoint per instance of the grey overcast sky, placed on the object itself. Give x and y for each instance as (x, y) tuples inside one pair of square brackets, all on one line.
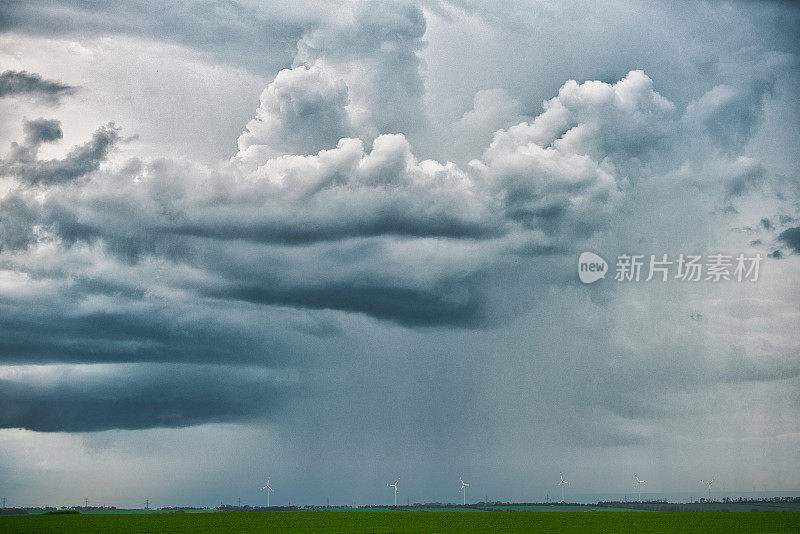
[(337, 243)]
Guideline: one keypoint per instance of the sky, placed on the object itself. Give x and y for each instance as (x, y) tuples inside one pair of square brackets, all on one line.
[(337, 243)]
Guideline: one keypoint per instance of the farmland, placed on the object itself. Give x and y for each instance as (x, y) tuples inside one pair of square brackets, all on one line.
[(394, 521)]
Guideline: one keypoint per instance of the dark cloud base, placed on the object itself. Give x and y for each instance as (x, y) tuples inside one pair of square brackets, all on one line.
[(155, 396), (456, 303), (22, 83)]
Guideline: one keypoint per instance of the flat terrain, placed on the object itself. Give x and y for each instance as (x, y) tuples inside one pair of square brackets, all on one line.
[(397, 522)]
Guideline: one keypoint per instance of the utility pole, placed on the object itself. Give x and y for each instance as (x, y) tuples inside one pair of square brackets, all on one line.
[(4, 502), (86, 502), (147, 504), (240, 502)]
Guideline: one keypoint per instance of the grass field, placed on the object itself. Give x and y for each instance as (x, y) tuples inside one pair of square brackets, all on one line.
[(397, 522)]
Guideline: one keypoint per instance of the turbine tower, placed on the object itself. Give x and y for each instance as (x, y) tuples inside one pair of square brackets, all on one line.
[(268, 488), (395, 489), (708, 483), (638, 485), (464, 486), (563, 483)]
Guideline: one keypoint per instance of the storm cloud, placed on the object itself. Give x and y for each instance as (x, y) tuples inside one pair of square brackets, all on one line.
[(131, 397), (378, 232)]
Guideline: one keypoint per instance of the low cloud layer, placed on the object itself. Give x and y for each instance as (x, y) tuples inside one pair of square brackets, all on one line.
[(85, 399)]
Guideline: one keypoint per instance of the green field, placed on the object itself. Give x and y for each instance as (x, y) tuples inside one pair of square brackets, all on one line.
[(396, 522)]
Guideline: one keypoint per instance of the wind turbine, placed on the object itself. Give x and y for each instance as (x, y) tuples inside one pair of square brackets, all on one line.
[(395, 489), (708, 483), (268, 488), (563, 483), (638, 485), (464, 486)]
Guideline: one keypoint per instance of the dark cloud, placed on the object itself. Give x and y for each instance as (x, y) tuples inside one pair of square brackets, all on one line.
[(451, 303), (226, 30), (18, 219), (82, 160), (37, 132), (791, 236), (136, 397), (40, 131), (129, 337), (62, 325), (22, 83), (395, 220)]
